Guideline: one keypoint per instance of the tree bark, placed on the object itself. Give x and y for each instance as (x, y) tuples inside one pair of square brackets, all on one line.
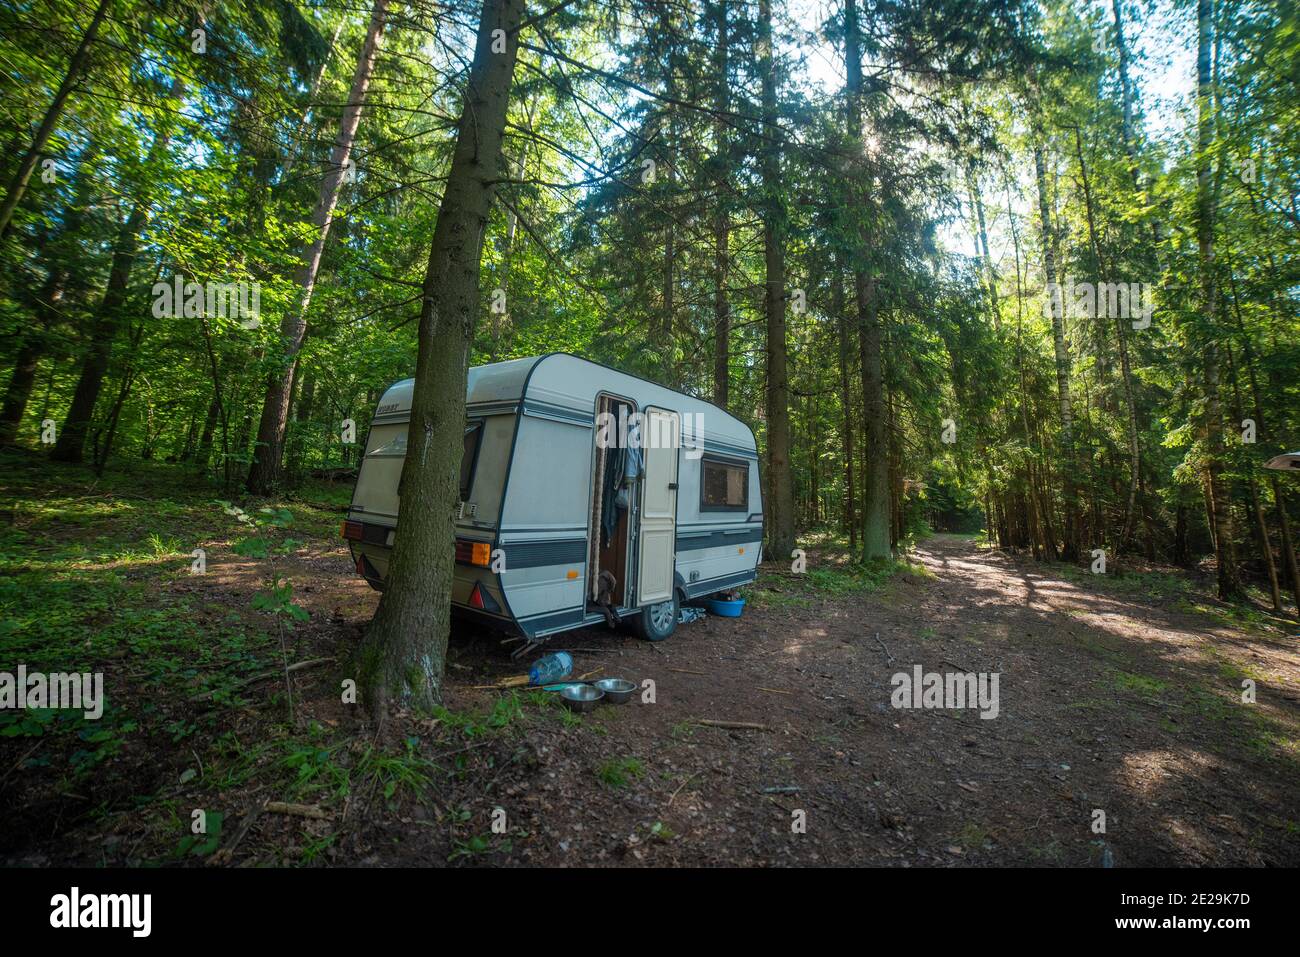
[(846, 403), (1220, 506), (23, 175), (780, 503), (875, 476), (1070, 551), (265, 473), (721, 216), (404, 652), (71, 443)]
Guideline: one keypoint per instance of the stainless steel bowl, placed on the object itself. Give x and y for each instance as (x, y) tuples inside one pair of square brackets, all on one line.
[(581, 698), (617, 690)]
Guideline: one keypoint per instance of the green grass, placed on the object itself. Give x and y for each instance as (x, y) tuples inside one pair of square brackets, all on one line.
[(1138, 684), (830, 574), (620, 772), (95, 577)]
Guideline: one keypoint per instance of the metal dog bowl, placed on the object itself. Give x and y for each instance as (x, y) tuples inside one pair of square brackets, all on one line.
[(617, 690), (580, 698)]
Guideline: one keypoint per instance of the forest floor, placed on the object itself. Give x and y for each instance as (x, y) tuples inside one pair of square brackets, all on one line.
[(1120, 693)]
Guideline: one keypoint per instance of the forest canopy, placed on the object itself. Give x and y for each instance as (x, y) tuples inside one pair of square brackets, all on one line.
[(961, 264)]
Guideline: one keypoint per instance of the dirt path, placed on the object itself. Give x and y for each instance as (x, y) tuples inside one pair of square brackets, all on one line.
[(1108, 702), (1121, 695)]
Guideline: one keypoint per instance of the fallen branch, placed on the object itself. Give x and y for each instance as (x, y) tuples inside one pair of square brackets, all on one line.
[(687, 671), (734, 725), (298, 810), (774, 690), (227, 854), (682, 785), (244, 682)]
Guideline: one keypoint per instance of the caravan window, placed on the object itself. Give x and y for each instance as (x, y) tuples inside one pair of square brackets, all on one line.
[(473, 435), (724, 485)]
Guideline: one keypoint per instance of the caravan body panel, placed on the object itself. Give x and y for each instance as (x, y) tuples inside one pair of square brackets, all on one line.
[(532, 423)]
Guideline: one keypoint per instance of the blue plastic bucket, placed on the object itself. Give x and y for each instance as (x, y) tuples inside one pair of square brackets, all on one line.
[(725, 609)]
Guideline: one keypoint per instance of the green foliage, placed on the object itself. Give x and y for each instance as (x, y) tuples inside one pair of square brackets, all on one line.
[(618, 773)]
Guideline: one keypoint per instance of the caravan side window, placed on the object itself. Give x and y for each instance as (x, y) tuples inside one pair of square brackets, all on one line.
[(473, 436), (724, 485)]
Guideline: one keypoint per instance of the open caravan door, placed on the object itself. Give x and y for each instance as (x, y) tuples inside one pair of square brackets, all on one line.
[(658, 538)]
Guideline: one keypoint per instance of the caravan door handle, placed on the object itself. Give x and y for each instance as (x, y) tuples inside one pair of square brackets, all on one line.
[(673, 486)]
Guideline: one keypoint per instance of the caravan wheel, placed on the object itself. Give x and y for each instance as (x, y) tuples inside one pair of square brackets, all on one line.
[(657, 622)]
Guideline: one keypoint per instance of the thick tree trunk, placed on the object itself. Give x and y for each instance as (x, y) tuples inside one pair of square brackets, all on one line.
[(404, 651), (23, 175), (265, 472), (780, 500), (1220, 505), (875, 476)]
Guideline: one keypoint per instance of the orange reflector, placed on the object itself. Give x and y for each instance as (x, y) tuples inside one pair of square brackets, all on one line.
[(481, 554), (352, 531), (573, 573), (741, 551)]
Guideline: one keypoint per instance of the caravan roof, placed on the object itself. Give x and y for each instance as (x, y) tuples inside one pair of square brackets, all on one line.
[(562, 385)]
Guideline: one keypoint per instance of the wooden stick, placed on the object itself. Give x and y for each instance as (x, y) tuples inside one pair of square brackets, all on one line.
[(774, 690), (682, 785), (687, 671), (298, 810), (736, 725), (300, 666)]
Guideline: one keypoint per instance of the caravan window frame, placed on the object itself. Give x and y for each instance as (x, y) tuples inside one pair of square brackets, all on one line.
[(480, 427), (726, 462)]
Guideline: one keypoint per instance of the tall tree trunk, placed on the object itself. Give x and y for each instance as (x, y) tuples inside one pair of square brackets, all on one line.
[(264, 474), (1070, 551), (71, 443), (1289, 563), (45, 309), (1126, 371), (1220, 505), (875, 477), (404, 651), (33, 346), (846, 403), (23, 175), (780, 503), (721, 215), (300, 136), (1252, 489)]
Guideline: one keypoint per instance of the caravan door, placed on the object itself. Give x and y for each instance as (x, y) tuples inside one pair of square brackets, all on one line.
[(660, 431)]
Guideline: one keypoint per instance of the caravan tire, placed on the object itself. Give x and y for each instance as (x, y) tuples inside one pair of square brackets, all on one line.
[(657, 622)]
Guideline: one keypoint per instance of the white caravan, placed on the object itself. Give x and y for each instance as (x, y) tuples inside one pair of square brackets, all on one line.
[(586, 493)]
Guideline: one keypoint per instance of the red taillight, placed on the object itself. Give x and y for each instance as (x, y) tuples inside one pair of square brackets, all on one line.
[(475, 599), (352, 531)]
